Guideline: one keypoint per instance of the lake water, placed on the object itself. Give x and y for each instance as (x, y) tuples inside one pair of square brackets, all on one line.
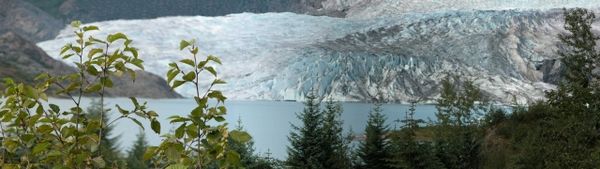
[(267, 121)]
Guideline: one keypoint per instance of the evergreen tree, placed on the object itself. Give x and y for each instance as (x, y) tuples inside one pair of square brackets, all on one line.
[(335, 146), (457, 137), (267, 162), (568, 137), (135, 156), (409, 153), (248, 158), (374, 151), (108, 147), (305, 151)]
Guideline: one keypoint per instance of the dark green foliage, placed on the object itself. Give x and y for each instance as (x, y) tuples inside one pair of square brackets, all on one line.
[(38, 134), (567, 135), (246, 150), (494, 117), (374, 152), (248, 158), (408, 152), (44, 136), (135, 156), (305, 150), (580, 54), (335, 145), (457, 136), (109, 148), (319, 143)]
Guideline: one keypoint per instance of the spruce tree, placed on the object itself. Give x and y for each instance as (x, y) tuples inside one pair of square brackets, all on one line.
[(305, 151), (568, 137), (135, 156), (409, 153), (374, 150), (109, 144), (335, 146), (248, 158), (457, 137)]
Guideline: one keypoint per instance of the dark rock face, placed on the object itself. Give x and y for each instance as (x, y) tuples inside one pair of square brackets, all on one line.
[(91, 11), (552, 70), (27, 21), (23, 61), (146, 85)]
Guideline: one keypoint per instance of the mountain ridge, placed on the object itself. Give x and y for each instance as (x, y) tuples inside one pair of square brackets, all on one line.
[(23, 61)]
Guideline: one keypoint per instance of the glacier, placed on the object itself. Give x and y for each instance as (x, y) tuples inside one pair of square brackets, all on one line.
[(384, 57)]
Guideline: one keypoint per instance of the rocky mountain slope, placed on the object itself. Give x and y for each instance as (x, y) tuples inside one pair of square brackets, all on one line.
[(23, 61), (27, 20), (390, 8), (91, 11)]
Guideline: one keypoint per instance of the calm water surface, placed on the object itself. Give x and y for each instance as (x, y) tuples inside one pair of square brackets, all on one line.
[(267, 121)]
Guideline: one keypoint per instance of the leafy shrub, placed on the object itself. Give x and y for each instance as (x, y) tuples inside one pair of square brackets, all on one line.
[(38, 134)]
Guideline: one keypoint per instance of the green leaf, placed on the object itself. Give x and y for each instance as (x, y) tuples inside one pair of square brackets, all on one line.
[(99, 162), (217, 95), (138, 63), (183, 44), (92, 70), (233, 158), (219, 119), (155, 125), (172, 153), (177, 166), (121, 110), (94, 52), (214, 59), (96, 40), (152, 114), (195, 51), (219, 81), (44, 129), (197, 112), (76, 23), (192, 130), (188, 62), (136, 121), (177, 83), (66, 48), (76, 49), (240, 136), (174, 65), (201, 102), (189, 76), (55, 108), (211, 70), (94, 88), (150, 151), (222, 110), (42, 76), (177, 119), (54, 153), (171, 75), (40, 147), (67, 56), (180, 131), (113, 37), (90, 28), (202, 64), (107, 82)]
